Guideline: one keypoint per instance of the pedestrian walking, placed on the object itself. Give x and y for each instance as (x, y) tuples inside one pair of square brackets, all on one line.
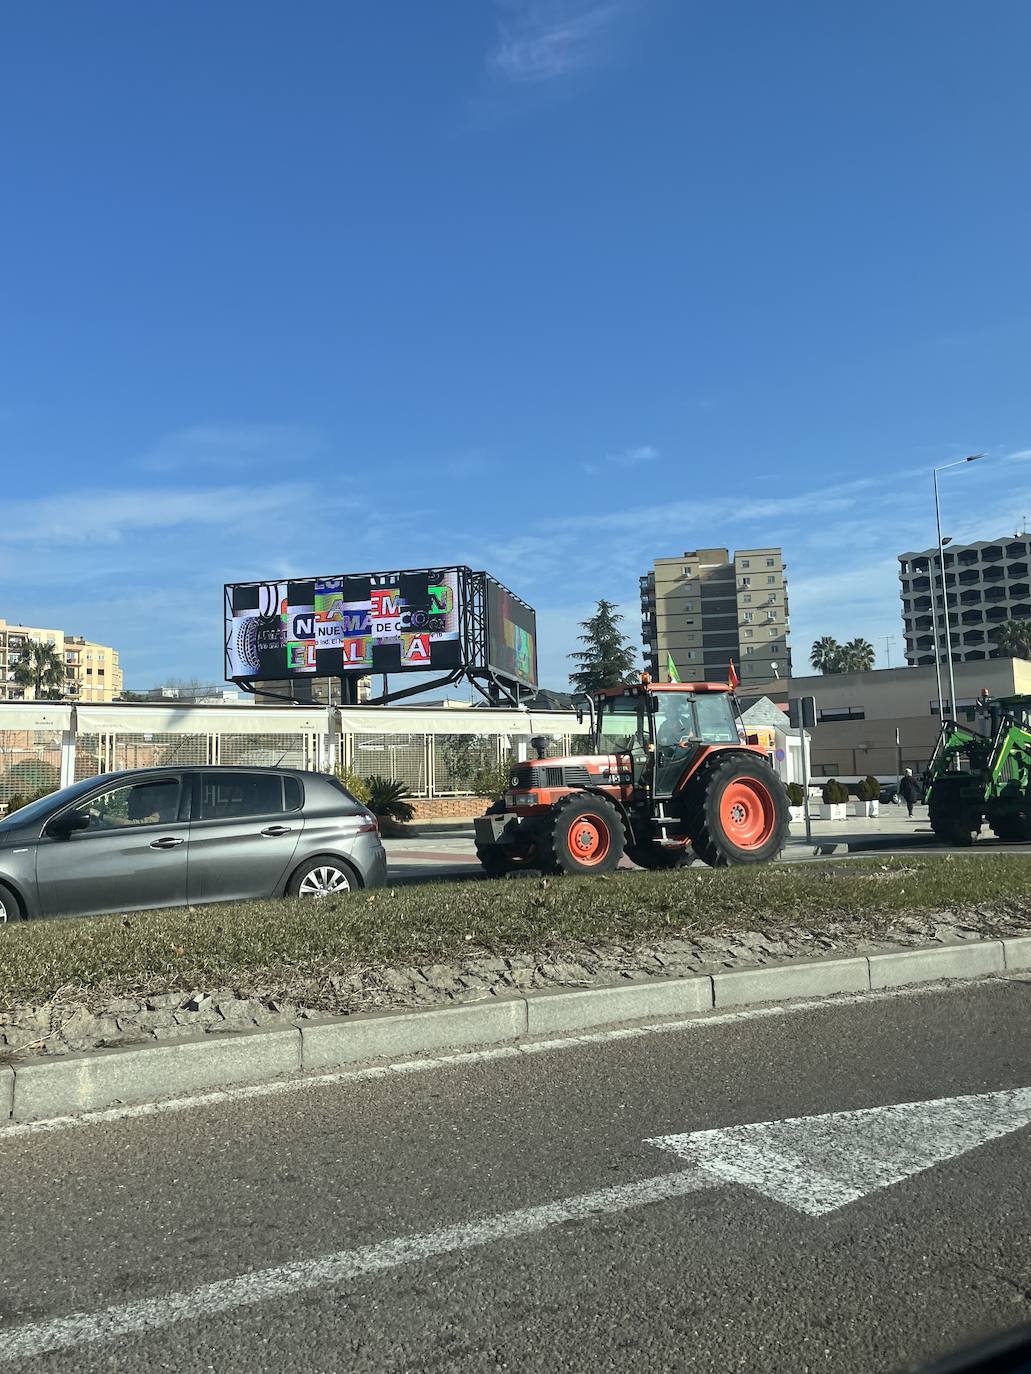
[(909, 789)]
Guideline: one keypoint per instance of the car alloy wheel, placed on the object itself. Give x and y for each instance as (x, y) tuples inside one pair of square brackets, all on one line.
[(324, 881)]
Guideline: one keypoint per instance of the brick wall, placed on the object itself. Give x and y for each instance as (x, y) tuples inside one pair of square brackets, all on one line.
[(436, 808)]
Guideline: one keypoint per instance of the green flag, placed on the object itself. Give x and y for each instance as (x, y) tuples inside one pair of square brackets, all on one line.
[(671, 669)]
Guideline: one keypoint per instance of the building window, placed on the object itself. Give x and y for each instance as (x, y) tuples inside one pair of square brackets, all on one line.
[(773, 633), (749, 648), (691, 653), (746, 563), (687, 572), (747, 596), (771, 562), (745, 582), (749, 615), (830, 713), (749, 633), (772, 581)]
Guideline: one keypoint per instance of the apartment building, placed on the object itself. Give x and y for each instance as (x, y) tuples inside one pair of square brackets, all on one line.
[(986, 584), (92, 671), (709, 607)]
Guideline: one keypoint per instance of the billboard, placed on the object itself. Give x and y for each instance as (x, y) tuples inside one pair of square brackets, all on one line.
[(511, 635), (384, 622)]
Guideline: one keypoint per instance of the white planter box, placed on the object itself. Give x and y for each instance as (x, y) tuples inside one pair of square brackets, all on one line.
[(856, 808), (873, 808), (834, 811), (797, 813)]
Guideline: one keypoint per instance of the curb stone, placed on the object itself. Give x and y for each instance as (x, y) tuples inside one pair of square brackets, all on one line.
[(68, 1085)]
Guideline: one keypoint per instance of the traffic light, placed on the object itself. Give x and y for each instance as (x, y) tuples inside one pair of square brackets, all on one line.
[(802, 713)]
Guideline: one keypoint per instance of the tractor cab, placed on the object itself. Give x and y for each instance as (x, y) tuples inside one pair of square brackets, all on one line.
[(663, 727)]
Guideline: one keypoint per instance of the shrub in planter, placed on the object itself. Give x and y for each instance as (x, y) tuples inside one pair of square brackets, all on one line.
[(834, 793), (871, 789), (796, 794)]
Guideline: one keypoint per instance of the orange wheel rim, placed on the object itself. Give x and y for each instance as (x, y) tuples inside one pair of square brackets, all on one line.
[(588, 840), (747, 813)]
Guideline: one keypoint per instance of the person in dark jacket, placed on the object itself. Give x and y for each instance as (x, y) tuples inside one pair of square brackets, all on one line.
[(909, 789)]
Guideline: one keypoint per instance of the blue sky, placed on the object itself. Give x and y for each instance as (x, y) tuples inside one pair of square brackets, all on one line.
[(545, 286)]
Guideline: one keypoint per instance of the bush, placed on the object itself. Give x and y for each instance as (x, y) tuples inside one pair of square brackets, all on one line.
[(872, 788), (357, 786), (796, 793), (491, 780), (387, 798), (19, 799), (34, 777), (834, 792)]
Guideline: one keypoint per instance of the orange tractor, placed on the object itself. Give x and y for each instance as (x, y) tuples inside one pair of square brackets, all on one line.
[(670, 774)]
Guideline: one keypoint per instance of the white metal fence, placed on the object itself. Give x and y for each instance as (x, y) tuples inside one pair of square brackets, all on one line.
[(435, 752)]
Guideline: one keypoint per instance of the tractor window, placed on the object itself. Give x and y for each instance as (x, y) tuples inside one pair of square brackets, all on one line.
[(622, 725), (715, 716)]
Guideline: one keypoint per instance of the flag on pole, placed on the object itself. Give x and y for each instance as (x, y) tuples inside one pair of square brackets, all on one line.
[(732, 677), (671, 669)]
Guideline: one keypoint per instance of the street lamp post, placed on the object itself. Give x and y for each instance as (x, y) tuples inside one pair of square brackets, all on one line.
[(972, 458)]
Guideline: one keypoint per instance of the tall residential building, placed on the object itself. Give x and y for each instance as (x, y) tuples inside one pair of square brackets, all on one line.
[(987, 583), (706, 608), (92, 671)]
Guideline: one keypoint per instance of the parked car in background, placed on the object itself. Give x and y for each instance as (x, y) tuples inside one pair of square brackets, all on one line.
[(164, 837), (890, 794)]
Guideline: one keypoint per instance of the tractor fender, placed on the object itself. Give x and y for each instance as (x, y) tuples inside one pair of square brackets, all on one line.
[(617, 802), (711, 754)]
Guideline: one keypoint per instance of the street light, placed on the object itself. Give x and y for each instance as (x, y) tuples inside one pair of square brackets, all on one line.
[(934, 621), (971, 458)]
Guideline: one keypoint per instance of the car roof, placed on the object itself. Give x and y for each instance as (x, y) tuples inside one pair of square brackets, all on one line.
[(203, 768)]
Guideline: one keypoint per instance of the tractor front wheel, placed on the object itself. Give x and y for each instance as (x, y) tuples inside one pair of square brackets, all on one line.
[(740, 814), (656, 856), (952, 820), (583, 833)]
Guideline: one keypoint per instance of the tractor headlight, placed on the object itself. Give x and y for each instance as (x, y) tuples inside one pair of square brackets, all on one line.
[(514, 799)]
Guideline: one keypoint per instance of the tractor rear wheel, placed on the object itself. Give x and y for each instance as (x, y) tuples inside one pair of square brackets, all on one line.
[(583, 833), (738, 814)]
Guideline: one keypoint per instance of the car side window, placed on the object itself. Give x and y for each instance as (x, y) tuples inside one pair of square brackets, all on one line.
[(235, 796), (138, 803)]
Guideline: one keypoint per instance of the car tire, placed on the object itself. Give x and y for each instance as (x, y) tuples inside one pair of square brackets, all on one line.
[(11, 908), (323, 876)]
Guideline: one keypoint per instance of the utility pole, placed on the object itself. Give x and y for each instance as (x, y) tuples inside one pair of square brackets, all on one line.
[(971, 458), (889, 640)]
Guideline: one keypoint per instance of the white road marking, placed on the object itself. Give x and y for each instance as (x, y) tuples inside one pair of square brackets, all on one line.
[(700, 1021), (817, 1164), (266, 1285)]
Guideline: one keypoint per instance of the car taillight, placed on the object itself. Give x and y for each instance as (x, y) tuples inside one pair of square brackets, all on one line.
[(369, 827)]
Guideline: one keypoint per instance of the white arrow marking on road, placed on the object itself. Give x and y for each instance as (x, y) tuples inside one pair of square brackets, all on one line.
[(818, 1163), (814, 1164)]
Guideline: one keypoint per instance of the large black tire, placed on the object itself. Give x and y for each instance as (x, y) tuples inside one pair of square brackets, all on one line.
[(737, 813), (951, 820), (323, 876), (1012, 827), (582, 833), (656, 856), (10, 908)]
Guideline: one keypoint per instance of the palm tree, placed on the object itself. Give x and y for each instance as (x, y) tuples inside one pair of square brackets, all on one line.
[(825, 655), (41, 668), (858, 655), (1013, 639)]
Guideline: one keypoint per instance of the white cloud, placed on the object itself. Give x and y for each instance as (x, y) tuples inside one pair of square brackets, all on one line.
[(230, 448), (626, 458), (540, 41)]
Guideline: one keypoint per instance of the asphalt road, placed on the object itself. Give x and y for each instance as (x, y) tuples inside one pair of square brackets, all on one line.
[(718, 1278)]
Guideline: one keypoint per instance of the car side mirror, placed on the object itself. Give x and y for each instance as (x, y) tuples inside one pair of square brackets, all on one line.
[(64, 826)]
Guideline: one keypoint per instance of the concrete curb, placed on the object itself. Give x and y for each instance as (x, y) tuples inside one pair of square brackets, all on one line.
[(45, 1088)]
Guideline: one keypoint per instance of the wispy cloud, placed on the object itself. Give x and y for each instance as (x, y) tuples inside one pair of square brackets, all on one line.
[(230, 448), (541, 41), (626, 458)]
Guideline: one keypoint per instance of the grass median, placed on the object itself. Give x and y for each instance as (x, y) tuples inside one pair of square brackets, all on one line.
[(255, 946)]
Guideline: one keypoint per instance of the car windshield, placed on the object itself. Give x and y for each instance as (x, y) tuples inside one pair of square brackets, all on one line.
[(623, 724), (36, 810)]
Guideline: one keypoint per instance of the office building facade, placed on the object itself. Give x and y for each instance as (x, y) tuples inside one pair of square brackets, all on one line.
[(986, 584), (709, 608)]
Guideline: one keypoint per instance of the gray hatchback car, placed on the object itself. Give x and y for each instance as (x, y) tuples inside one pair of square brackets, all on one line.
[(162, 837)]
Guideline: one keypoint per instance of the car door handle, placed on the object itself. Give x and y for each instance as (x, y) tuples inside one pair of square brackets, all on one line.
[(271, 831), (167, 842)]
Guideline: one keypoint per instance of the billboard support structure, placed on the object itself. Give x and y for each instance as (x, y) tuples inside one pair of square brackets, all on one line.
[(473, 625)]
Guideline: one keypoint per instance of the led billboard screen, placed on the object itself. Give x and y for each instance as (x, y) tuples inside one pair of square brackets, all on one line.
[(511, 635), (384, 622)]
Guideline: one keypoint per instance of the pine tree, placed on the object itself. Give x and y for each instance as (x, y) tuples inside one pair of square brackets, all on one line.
[(607, 658)]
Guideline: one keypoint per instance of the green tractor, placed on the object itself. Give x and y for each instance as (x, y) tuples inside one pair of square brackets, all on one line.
[(977, 776)]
